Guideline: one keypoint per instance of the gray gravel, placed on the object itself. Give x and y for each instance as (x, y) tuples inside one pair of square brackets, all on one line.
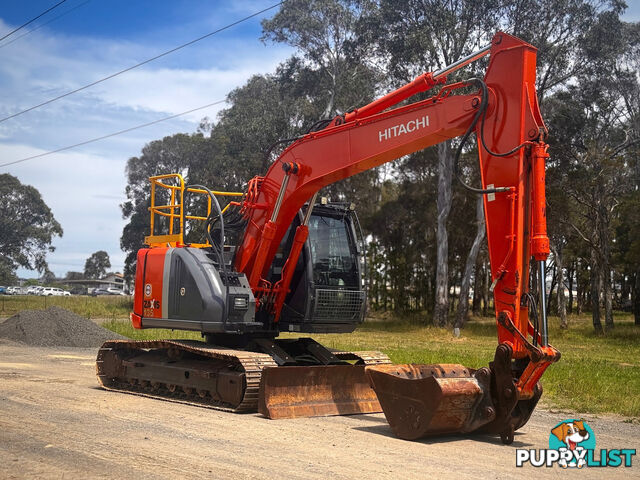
[(54, 327)]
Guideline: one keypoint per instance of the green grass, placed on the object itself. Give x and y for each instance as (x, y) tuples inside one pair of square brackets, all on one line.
[(124, 328), (105, 307), (595, 374)]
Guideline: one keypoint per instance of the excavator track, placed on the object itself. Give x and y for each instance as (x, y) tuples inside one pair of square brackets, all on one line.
[(193, 372), (115, 358)]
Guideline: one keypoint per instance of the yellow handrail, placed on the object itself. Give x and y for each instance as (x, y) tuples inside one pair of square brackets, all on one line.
[(176, 202)]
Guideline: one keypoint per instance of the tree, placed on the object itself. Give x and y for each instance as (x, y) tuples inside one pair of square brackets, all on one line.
[(48, 278), (331, 73), (422, 36), (463, 300), (324, 32), (595, 123), (416, 219), (27, 228), (74, 276), (97, 264)]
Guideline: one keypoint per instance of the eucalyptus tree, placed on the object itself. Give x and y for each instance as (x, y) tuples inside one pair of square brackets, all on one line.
[(27, 228), (331, 72), (594, 122), (421, 36)]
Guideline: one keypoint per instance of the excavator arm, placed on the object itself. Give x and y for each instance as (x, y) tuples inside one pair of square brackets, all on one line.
[(504, 115)]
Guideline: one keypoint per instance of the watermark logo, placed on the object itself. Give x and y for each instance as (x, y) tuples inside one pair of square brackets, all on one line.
[(572, 444), (572, 439)]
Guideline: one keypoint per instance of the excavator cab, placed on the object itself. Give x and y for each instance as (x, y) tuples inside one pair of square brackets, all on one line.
[(327, 292)]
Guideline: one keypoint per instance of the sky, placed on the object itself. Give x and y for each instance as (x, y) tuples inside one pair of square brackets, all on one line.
[(92, 39)]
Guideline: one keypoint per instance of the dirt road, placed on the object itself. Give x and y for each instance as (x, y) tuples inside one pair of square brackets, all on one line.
[(56, 423)]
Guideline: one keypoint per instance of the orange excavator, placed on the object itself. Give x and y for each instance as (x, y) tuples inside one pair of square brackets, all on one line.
[(275, 260)]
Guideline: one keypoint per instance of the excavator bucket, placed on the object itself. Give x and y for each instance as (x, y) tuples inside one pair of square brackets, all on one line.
[(289, 392), (423, 400)]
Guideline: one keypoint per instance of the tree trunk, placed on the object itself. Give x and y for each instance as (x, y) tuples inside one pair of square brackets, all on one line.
[(476, 288), (603, 223), (595, 293), (636, 298), (485, 289), (579, 289), (608, 298), (463, 300), (562, 302), (570, 273), (553, 286), (445, 170)]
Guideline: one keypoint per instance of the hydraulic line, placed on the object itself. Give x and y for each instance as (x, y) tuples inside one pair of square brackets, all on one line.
[(219, 250), (544, 334), (481, 113)]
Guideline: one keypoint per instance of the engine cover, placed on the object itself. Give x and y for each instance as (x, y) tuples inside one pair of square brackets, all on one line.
[(183, 288)]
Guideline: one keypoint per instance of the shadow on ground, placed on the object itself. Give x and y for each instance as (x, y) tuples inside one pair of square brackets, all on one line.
[(385, 431)]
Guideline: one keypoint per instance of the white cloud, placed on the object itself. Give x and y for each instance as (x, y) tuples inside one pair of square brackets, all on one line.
[(173, 90), (84, 192)]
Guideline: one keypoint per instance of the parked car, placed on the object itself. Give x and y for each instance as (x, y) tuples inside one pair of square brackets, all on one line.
[(32, 290), (3, 290), (51, 292), (115, 291), (100, 291), (66, 293)]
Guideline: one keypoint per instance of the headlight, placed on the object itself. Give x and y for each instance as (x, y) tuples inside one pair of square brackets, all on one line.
[(240, 302)]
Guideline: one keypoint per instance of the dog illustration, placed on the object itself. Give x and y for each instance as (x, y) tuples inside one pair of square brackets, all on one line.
[(571, 434)]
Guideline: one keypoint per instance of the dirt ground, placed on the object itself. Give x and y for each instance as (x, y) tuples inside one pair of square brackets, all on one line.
[(56, 423)]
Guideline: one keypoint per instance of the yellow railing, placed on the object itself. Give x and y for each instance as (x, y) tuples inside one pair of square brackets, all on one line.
[(173, 183)]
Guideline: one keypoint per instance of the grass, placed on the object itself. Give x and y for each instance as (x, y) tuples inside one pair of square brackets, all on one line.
[(104, 307), (597, 374), (125, 328)]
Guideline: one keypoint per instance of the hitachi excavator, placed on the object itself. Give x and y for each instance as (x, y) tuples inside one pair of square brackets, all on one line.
[(274, 260)]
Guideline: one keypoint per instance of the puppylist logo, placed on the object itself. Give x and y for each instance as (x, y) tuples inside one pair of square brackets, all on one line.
[(572, 444)]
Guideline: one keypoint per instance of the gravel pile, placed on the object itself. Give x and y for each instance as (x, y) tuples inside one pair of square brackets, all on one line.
[(54, 327)]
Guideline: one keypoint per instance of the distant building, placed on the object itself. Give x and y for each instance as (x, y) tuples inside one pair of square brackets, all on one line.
[(113, 280), (110, 280)]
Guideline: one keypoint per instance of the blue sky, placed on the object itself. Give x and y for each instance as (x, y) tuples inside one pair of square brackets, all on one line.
[(632, 14), (85, 186)]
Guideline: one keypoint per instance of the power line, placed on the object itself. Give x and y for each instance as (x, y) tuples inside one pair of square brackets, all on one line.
[(126, 130), (32, 20), (45, 23), (141, 63)]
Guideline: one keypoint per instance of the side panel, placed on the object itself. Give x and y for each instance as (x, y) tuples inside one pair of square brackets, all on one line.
[(148, 299), (153, 279), (182, 289), (136, 315)]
